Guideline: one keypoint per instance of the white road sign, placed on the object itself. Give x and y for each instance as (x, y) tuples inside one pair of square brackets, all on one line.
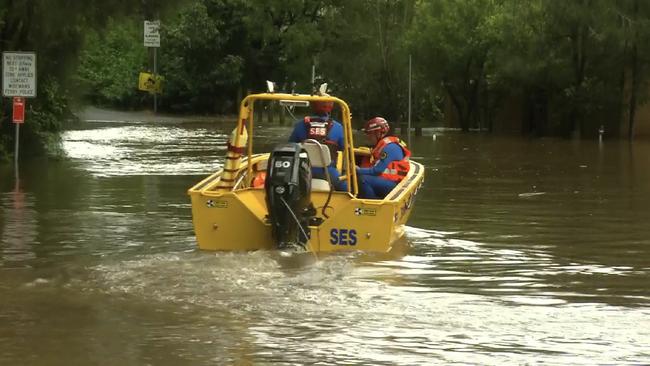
[(19, 74), (152, 33)]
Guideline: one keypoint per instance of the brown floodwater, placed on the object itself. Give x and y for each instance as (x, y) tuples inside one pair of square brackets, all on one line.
[(519, 252)]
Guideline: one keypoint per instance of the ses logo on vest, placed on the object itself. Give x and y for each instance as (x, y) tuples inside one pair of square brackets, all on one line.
[(343, 237), (318, 131)]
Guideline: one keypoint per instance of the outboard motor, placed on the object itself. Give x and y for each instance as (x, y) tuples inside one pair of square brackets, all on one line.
[(288, 187)]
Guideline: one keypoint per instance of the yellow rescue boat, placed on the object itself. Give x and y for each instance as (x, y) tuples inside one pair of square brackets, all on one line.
[(232, 212)]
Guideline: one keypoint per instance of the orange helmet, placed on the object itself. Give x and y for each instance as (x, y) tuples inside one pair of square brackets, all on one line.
[(321, 107), (377, 124)]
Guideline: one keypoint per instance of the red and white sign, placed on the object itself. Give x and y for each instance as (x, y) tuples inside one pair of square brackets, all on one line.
[(19, 110)]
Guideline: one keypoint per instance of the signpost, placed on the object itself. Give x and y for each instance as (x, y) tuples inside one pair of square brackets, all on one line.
[(152, 39), (19, 82), (408, 136)]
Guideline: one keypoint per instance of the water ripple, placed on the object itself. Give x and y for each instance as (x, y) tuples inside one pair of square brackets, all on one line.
[(145, 149)]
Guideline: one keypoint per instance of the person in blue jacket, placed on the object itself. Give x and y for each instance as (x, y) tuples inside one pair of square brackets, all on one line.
[(321, 127), (389, 161)]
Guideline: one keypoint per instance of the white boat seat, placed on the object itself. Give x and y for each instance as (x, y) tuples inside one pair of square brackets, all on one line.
[(319, 185), (319, 154), (319, 157)]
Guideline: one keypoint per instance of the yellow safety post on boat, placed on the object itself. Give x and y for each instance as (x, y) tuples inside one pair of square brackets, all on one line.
[(236, 146)]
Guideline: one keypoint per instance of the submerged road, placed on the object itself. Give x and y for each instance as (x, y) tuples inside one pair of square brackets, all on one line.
[(521, 252)]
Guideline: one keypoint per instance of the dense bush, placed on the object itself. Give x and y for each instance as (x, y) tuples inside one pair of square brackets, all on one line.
[(55, 31), (110, 63)]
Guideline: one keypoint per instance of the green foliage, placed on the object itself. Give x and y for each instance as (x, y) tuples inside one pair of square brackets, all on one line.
[(457, 37), (55, 30), (564, 60), (45, 118), (568, 61), (201, 59), (571, 65), (213, 51), (364, 57), (285, 38), (110, 63)]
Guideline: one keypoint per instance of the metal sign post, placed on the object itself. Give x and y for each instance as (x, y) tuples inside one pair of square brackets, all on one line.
[(152, 39), (19, 82), (155, 72), (408, 136), (18, 117)]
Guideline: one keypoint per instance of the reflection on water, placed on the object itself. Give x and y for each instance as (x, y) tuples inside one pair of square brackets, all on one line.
[(18, 226), (521, 252)]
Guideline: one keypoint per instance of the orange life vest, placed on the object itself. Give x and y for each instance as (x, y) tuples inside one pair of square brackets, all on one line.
[(398, 169), (258, 181)]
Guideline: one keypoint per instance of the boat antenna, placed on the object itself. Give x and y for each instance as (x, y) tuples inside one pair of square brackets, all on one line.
[(322, 89), (313, 75), (270, 86)]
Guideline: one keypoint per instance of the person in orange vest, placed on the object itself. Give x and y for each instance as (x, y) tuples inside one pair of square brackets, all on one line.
[(389, 161)]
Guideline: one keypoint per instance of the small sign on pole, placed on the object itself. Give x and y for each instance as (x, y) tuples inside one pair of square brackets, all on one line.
[(152, 33), (152, 39), (150, 83), (19, 110)]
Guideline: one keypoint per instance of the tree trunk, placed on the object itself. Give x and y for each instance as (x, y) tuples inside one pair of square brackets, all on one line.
[(633, 93), (634, 76), (238, 99), (579, 62), (462, 115)]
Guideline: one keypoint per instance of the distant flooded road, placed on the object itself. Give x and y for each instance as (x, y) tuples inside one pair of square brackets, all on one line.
[(521, 252)]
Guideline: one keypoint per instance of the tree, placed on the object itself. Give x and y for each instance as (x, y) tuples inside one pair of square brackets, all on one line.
[(455, 40), (634, 23), (54, 29), (110, 62), (201, 59), (365, 57)]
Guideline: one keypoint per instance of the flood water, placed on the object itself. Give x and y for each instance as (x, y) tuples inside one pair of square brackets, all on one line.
[(520, 252)]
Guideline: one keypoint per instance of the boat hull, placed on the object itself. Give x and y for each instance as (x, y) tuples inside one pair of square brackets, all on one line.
[(236, 220)]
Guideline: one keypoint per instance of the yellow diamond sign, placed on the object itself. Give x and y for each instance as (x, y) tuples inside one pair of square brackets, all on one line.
[(151, 83)]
